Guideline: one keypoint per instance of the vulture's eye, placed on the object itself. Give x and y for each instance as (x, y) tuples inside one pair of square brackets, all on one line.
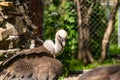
[(60, 37)]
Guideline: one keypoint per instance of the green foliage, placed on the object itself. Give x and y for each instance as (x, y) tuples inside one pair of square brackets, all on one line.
[(61, 78), (62, 16), (107, 62), (113, 45), (70, 24), (98, 24), (114, 49)]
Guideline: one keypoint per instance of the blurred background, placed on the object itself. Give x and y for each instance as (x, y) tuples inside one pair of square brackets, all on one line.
[(93, 28), (64, 14)]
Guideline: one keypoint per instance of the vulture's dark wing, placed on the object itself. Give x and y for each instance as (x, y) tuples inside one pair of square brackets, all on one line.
[(31, 64), (41, 51)]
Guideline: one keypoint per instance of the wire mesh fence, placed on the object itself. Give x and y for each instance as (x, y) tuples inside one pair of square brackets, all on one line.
[(99, 22)]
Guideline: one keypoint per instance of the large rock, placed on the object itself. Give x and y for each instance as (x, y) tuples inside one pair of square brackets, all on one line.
[(8, 37), (7, 31)]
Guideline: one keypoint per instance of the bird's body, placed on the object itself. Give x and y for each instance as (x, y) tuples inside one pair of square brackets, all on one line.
[(102, 73), (31, 64), (35, 63)]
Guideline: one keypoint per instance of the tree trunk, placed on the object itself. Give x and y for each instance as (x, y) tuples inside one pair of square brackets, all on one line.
[(84, 52), (108, 32), (32, 19), (36, 14)]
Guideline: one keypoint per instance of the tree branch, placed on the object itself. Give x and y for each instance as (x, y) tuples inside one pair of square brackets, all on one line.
[(108, 31), (78, 12)]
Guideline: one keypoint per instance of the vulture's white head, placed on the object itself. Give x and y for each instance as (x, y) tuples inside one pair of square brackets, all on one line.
[(61, 36), (60, 41)]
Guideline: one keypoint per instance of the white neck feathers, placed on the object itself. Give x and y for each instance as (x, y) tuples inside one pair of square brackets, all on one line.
[(58, 47)]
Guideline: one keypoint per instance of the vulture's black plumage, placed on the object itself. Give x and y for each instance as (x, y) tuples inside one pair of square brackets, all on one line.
[(31, 64)]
